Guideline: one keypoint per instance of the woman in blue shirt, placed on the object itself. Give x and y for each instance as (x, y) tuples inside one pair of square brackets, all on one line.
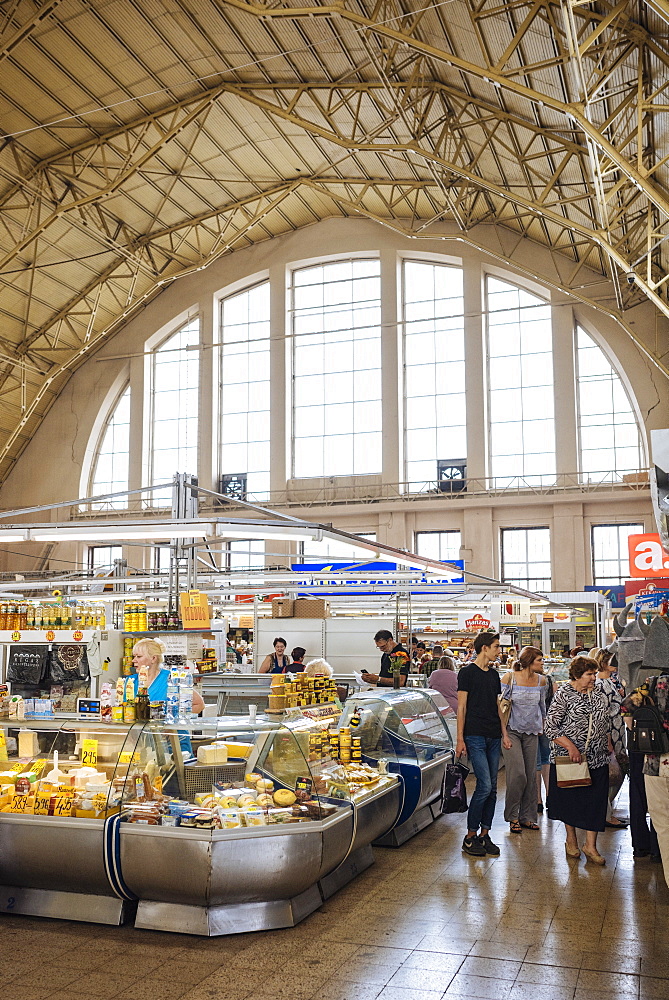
[(148, 654)]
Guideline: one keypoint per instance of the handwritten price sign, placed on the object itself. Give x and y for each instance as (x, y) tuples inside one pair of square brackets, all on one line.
[(19, 804), (89, 753)]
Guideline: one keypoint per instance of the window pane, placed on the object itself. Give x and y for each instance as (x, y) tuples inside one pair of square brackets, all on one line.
[(245, 388), (337, 371), (442, 545), (520, 386), (112, 465), (610, 555), (174, 408), (526, 557), (610, 444), (434, 354)]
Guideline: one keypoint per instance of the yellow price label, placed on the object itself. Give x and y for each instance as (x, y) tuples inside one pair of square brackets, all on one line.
[(19, 804), (89, 753), (99, 802), (42, 802), (128, 757), (38, 765), (17, 767), (63, 803)]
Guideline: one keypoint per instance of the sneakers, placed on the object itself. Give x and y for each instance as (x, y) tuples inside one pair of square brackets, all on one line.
[(474, 846), (490, 848), (478, 847)]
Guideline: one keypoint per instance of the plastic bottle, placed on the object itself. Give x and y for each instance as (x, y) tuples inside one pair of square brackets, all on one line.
[(172, 704), (186, 695)]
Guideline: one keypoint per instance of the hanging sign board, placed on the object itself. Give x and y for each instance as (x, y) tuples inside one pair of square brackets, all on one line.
[(647, 557), (194, 608), (473, 621), (511, 610)]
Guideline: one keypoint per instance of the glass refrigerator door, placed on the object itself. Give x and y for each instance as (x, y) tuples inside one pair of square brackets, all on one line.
[(412, 723)]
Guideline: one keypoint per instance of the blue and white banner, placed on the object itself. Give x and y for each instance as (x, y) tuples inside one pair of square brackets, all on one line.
[(340, 583)]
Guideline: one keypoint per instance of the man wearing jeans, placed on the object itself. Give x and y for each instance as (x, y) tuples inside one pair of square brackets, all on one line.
[(481, 731)]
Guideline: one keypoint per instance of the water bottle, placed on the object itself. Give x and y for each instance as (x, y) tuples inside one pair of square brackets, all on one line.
[(185, 695), (172, 705)]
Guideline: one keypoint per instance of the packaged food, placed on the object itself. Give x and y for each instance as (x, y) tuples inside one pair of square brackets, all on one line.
[(255, 817), (230, 819)]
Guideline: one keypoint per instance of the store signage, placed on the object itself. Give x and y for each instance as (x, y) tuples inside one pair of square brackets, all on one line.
[(339, 583), (510, 609), (194, 608), (616, 595), (654, 598), (473, 621), (634, 587), (647, 557)]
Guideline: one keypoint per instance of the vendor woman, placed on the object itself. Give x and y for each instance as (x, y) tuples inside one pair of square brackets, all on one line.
[(276, 662), (148, 653)]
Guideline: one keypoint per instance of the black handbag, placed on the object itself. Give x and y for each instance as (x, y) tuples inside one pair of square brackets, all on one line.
[(454, 793), (648, 734), (27, 665)]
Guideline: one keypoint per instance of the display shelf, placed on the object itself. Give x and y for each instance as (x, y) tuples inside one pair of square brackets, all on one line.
[(37, 636), (172, 631)]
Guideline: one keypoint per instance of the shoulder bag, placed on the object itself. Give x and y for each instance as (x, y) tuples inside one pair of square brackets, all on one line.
[(569, 774), (505, 704)]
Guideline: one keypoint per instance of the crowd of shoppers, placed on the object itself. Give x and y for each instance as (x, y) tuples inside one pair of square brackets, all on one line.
[(565, 741)]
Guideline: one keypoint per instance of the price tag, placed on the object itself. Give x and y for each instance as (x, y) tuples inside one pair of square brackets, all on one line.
[(89, 753), (38, 765), (63, 803), (304, 785), (19, 804), (17, 768), (16, 637), (43, 801), (99, 802), (128, 757)]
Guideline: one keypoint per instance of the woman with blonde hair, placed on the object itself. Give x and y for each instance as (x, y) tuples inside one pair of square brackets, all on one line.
[(147, 656), (318, 668)]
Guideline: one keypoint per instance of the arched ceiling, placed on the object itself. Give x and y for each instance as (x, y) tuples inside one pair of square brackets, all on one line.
[(146, 138)]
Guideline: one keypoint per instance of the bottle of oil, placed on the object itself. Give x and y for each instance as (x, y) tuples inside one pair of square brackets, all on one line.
[(143, 705)]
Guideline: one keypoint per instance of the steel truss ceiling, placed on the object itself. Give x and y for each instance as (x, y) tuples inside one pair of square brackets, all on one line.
[(145, 140)]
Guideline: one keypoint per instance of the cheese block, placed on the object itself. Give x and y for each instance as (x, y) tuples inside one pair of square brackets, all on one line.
[(238, 749)]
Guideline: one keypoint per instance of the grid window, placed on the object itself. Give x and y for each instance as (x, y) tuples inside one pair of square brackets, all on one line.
[(244, 409), (526, 557), (161, 558), (101, 558), (336, 327), (434, 368), (245, 555), (520, 386), (112, 463), (610, 554), (312, 551), (441, 545), (608, 432), (174, 413)]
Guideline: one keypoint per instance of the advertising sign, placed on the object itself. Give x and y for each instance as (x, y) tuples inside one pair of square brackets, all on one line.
[(341, 584), (647, 557), (474, 621)]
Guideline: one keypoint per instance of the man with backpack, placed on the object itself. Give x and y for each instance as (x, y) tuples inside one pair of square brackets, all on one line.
[(646, 712)]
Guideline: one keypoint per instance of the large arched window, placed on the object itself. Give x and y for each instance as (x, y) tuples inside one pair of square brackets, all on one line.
[(113, 458), (174, 407), (434, 368), (336, 330), (520, 386), (244, 405), (608, 432)]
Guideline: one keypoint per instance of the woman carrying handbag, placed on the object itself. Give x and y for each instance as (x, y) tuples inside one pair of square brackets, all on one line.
[(524, 690), (579, 726)]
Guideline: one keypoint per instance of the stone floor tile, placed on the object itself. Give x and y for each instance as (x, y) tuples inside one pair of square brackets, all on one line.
[(478, 986)]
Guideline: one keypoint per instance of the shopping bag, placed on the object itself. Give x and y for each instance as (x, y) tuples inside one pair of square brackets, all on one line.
[(454, 793)]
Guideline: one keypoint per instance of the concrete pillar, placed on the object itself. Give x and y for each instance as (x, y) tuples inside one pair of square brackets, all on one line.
[(569, 549), (392, 380), (208, 463), (279, 391), (475, 381), (479, 537), (566, 436)]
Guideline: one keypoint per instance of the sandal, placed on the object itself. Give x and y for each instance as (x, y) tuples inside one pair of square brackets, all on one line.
[(516, 827), (530, 826)]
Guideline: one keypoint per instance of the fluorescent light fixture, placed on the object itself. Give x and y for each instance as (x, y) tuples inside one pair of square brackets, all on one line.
[(255, 531), (119, 532), (11, 536)]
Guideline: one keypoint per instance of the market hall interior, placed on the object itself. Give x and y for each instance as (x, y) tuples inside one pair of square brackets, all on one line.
[(424, 922)]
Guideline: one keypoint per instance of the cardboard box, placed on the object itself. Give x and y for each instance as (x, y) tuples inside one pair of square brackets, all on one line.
[(282, 607), (311, 607)]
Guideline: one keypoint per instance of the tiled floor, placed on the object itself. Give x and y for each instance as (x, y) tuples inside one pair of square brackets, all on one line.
[(425, 922)]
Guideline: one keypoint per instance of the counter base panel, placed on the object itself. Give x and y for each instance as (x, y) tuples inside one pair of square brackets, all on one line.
[(405, 831), (80, 906), (355, 863), (232, 918)]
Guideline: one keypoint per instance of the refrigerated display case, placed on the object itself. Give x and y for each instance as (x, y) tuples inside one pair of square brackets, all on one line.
[(407, 725), (211, 827)]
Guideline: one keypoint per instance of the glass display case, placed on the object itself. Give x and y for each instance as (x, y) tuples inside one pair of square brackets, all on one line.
[(408, 725), (207, 827)]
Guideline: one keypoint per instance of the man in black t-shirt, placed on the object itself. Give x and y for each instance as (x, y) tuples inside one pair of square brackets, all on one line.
[(385, 642), (481, 731)]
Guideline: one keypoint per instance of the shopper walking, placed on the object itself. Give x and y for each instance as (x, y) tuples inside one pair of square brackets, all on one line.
[(444, 679), (655, 692), (276, 662), (525, 687), (481, 730), (579, 724)]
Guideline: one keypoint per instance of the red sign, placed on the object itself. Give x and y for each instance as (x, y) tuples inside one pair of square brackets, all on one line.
[(477, 623), (648, 559), (634, 587)]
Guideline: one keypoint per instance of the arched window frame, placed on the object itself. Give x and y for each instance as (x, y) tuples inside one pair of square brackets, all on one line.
[(104, 417)]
